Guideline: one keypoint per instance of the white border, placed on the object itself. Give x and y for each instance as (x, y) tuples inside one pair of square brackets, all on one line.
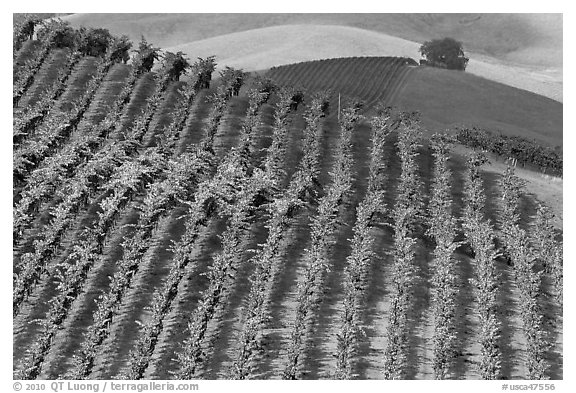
[(299, 6)]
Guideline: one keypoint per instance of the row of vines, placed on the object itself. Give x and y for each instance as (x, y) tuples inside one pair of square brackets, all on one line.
[(76, 180)]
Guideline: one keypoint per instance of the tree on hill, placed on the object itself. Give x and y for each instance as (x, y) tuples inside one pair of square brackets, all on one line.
[(28, 27), (94, 41), (233, 78), (176, 64), (264, 84), (146, 55), (24, 29), (203, 69), (64, 36), (122, 46), (444, 53)]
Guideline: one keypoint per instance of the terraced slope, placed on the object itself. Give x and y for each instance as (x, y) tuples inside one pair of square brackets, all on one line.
[(199, 215), (26, 52), (372, 79), (46, 76), (446, 99)]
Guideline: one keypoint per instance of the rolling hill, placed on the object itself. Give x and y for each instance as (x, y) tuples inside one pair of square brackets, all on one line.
[(272, 46), (446, 99), (529, 38), (522, 50), (164, 229)]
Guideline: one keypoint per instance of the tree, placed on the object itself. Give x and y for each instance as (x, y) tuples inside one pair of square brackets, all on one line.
[(233, 79), (176, 64), (444, 53), (63, 35), (264, 84), (29, 26), (202, 70), (24, 30), (94, 41), (121, 49), (146, 55)]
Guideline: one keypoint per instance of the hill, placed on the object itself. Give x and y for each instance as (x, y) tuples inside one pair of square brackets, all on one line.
[(445, 98), (529, 38), (154, 271), (272, 46), (522, 50), (374, 80), (164, 230)]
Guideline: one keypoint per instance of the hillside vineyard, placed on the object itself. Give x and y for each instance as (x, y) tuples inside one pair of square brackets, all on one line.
[(181, 222)]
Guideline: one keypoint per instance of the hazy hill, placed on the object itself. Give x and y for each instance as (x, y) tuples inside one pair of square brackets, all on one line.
[(529, 38), (522, 50)]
